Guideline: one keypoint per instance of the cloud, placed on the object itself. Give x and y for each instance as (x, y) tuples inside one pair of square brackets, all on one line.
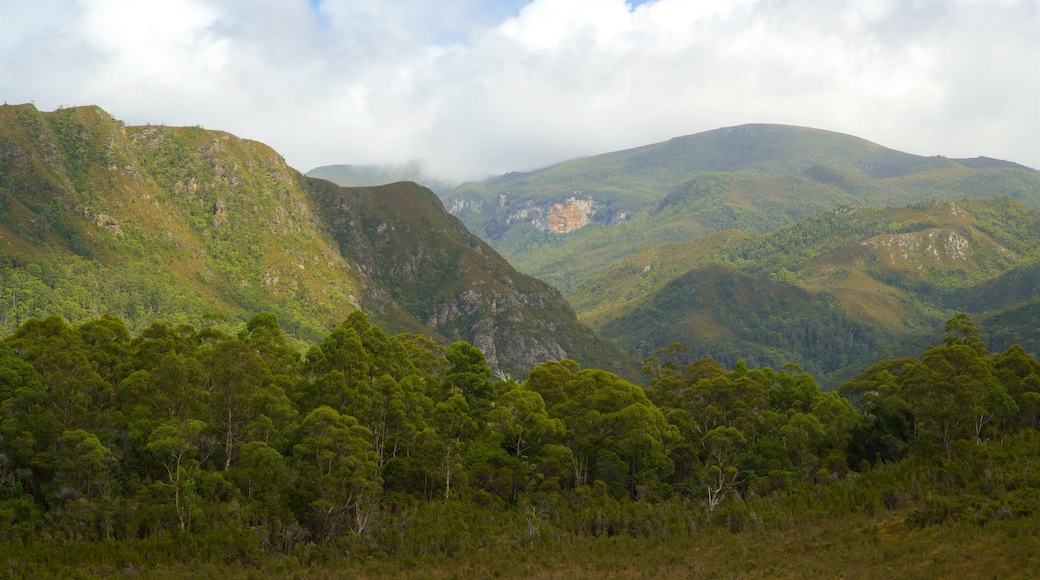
[(478, 87)]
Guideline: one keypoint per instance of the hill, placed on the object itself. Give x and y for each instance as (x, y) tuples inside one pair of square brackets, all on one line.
[(573, 220), (830, 292), (351, 175), (201, 227)]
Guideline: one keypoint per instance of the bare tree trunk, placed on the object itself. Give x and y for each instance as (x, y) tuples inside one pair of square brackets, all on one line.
[(228, 442)]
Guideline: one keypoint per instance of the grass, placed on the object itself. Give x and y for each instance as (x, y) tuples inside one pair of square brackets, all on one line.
[(823, 547)]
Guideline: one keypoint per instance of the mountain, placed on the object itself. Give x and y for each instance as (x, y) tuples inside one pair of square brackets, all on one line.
[(201, 227), (349, 175), (573, 220), (831, 292), (424, 261)]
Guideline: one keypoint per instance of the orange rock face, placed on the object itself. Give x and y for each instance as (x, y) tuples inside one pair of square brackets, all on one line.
[(568, 216)]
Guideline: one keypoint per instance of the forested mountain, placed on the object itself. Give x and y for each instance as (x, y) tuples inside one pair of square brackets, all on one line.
[(831, 292), (201, 227), (570, 221)]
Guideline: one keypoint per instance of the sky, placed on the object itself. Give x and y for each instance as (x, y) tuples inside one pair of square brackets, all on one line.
[(481, 87)]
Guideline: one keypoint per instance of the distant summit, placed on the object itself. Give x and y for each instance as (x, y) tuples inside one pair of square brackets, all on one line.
[(383, 174), (755, 178)]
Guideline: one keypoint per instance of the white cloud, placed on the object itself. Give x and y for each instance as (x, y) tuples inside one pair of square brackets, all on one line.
[(479, 86)]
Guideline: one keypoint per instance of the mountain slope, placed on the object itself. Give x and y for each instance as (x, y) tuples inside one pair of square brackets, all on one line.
[(575, 219), (427, 263), (201, 227), (158, 221), (830, 292)]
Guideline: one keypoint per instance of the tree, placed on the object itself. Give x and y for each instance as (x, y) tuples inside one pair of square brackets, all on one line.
[(237, 375), (948, 387), (427, 356), (961, 331), (996, 408), (108, 343), (520, 417), (265, 337), (722, 447), (83, 463), (469, 375), (454, 426), (339, 479), (263, 478), (602, 411), (175, 443), (15, 373)]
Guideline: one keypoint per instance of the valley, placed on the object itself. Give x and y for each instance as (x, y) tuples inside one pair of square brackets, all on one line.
[(213, 364), (796, 239)]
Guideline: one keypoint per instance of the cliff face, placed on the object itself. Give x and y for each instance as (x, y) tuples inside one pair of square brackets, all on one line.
[(568, 216), (429, 264), (556, 217)]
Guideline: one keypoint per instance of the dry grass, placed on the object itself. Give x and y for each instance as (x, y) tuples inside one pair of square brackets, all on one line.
[(858, 547)]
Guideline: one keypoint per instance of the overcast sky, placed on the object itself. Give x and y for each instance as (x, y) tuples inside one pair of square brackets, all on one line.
[(479, 87)]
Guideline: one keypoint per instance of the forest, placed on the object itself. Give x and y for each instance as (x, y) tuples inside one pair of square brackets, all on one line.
[(180, 448)]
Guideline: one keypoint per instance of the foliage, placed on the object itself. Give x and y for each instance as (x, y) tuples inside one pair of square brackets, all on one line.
[(194, 445)]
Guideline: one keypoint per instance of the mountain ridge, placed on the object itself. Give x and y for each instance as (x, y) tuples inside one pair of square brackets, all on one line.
[(755, 177), (201, 227)]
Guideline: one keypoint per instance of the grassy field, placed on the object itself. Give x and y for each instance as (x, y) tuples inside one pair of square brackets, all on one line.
[(856, 547)]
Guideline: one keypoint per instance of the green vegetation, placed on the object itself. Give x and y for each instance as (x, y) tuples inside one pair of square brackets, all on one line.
[(187, 452), (832, 292), (150, 424), (202, 228), (157, 222), (756, 178)]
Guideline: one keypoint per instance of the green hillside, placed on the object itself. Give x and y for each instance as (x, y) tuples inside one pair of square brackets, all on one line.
[(755, 178), (142, 222), (200, 227), (831, 291)]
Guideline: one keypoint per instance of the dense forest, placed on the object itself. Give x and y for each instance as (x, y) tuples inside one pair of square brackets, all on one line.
[(183, 445)]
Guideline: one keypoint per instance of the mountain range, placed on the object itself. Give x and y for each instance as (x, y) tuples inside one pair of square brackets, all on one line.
[(201, 227), (774, 244), (572, 220), (355, 175), (767, 243)]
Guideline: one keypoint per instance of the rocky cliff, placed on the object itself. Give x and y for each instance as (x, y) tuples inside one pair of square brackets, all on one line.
[(442, 275)]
